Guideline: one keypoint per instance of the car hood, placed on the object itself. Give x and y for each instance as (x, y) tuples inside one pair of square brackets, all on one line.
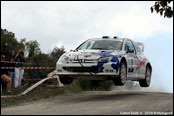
[(93, 54)]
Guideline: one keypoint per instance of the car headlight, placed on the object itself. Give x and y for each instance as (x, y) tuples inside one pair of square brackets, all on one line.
[(105, 59), (64, 59)]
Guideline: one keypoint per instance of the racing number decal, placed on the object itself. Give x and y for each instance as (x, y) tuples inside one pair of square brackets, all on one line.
[(131, 69)]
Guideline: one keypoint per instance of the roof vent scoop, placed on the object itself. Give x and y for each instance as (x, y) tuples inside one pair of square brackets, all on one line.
[(115, 37), (105, 37)]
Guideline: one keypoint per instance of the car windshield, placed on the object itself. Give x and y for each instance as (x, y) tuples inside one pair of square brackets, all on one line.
[(101, 45)]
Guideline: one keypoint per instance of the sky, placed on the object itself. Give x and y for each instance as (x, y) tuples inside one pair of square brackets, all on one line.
[(70, 23)]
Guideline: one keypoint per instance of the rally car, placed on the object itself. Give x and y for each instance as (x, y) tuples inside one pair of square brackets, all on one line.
[(106, 58)]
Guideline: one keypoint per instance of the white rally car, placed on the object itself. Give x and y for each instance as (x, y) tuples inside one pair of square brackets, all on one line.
[(117, 59)]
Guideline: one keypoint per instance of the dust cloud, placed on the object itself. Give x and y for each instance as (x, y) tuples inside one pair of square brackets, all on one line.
[(134, 86)]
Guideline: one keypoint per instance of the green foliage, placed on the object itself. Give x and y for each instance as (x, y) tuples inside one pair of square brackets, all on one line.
[(55, 54), (8, 42), (32, 47), (163, 8)]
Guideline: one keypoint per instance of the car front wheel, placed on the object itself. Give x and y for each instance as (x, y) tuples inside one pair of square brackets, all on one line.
[(121, 80)]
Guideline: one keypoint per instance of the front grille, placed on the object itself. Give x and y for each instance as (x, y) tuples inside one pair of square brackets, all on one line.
[(83, 69)]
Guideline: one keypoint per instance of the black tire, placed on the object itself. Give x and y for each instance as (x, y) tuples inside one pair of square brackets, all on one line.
[(65, 80), (146, 82), (121, 80)]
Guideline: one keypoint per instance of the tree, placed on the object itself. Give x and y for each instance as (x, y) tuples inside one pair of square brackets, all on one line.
[(9, 43), (56, 53), (32, 47), (163, 8)]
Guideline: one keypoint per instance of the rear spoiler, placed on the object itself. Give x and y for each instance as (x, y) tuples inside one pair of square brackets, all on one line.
[(141, 45)]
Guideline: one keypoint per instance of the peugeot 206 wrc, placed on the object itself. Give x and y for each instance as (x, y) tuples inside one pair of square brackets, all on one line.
[(117, 59)]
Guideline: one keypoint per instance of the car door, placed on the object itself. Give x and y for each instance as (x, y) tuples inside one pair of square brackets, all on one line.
[(132, 60), (140, 68)]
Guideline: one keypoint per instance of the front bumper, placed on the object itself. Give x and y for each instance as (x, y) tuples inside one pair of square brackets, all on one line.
[(86, 69)]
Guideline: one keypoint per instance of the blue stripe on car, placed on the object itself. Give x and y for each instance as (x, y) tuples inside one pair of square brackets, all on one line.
[(115, 65)]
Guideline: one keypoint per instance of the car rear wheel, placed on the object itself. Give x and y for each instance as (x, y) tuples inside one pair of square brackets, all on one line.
[(146, 82), (121, 80), (65, 80)]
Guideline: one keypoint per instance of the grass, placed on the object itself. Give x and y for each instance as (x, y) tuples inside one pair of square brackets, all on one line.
[(41, 92)]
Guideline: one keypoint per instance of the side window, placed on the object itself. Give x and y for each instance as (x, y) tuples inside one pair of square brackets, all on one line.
[(139, 50), (129, 45)]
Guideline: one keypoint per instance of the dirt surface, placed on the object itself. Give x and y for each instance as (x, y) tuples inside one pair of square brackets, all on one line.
[(107, 102)]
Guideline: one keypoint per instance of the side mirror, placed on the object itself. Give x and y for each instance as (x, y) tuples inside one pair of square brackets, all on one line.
[(71, 50)]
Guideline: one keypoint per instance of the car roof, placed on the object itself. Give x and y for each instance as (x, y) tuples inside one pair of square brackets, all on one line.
[(117, 39)]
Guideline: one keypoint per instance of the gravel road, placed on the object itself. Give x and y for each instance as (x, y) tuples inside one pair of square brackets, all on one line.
[(102, 103)]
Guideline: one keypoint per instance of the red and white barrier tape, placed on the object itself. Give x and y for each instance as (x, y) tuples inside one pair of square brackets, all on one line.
[(52, 73), (17, 62), (28, 67), (37, 84), (8, 96)]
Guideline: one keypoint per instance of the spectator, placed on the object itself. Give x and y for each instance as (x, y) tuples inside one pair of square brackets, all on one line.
[(24, 80), (4, 74), (19, 72), (12, 64)]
